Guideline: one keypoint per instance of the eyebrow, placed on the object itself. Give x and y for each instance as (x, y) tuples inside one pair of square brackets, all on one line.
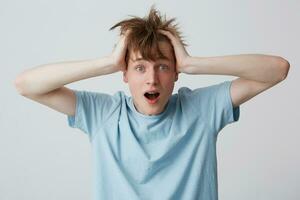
[(138, 59)]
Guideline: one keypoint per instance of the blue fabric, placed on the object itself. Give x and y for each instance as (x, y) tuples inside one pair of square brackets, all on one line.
[(167, 156)]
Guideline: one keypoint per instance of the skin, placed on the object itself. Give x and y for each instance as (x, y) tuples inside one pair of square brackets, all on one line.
[(256, 73), (144, 75)]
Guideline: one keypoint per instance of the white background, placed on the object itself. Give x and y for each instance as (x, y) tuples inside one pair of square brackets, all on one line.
[(42, 158)]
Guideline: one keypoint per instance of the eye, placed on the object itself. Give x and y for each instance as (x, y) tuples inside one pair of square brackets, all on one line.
[(163, 67), (140, 68)]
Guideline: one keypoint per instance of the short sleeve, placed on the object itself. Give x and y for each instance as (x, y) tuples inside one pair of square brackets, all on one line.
[(224, 112), (212, 104), (91, 110)]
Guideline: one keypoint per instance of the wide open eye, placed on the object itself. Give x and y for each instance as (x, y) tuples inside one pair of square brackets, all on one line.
[(163, 67), (140, 68)]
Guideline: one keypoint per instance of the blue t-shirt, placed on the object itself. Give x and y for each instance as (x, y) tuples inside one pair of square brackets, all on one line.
[(160, 157)]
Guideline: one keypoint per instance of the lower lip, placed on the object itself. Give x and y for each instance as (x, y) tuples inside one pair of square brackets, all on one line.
[(152, 101)]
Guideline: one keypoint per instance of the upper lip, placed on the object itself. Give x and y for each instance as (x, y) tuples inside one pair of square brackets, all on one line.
[(152, 90)]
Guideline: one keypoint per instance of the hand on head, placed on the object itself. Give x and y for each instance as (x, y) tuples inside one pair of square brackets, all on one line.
[(181, 54), (120, 49), (119, 52)]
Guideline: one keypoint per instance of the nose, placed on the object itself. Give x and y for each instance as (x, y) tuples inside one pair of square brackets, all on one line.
[(152, 77)]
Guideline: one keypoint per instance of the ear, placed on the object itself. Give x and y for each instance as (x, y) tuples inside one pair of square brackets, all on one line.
[(176, 76), (125, 78)]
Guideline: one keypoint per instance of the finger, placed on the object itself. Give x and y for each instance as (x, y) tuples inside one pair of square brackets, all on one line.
[(125, 33), (164, 33), (167, 33), (174, 40)]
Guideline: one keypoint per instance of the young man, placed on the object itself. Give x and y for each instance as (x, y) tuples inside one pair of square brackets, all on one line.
[(154, 144)]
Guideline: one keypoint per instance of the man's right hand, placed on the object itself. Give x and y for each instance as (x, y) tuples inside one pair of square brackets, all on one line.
[(45, 78), (119, 53)]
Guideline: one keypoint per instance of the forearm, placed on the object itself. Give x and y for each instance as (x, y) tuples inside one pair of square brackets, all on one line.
[(48, 77), (258, 67)]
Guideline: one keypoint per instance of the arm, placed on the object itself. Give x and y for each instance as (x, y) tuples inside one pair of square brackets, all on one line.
[(256, 72), (45, 84), (256, 67), (46, 78)]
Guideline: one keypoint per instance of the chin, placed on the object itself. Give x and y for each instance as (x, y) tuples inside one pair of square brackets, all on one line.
[(150, 110), (152, 113)]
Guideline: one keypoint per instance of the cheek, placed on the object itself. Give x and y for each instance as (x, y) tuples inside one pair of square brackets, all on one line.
[(134, 84), (168, 79), (135, 80)]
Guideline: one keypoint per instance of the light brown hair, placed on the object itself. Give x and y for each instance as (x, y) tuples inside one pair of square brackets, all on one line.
[(144, 35)]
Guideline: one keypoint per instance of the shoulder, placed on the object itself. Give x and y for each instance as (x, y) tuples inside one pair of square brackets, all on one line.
[(205, 94), (93, 98), (94, 94), (205, 90)]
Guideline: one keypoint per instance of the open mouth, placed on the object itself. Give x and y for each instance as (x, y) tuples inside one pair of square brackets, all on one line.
[(152, 97)]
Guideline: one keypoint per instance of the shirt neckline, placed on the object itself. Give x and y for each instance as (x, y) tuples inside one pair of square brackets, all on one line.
[(167, 107)]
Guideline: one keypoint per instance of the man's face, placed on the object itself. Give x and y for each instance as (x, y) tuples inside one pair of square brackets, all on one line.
[(157, 77)]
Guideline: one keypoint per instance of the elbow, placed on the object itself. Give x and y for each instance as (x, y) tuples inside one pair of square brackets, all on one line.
[(284, 67), (19, 83)]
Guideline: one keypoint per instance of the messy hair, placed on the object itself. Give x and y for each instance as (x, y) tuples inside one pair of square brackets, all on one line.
[(144, 36)]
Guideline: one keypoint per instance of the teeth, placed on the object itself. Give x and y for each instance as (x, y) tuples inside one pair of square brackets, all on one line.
[(151, 92)]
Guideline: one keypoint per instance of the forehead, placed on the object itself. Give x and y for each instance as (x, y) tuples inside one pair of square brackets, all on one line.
[(165, 48)]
